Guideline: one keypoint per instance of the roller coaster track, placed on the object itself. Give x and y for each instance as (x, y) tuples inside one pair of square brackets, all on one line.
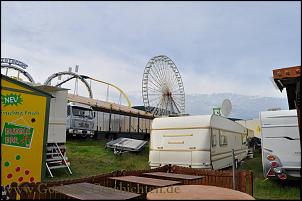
[(83, 79), (114, 86)]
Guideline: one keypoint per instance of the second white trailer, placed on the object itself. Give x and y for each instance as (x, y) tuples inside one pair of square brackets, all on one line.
[(281, 149), (204, 141)]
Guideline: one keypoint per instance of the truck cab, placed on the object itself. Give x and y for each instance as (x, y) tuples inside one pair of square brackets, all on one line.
[(80, 120)]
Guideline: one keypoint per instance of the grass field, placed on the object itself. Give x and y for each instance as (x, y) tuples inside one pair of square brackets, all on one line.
[(89, 157)]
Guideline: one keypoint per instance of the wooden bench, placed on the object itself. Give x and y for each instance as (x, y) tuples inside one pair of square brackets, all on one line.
[(183, 178), (141, 185)]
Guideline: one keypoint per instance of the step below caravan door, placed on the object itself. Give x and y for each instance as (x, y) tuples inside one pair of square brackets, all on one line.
[(176, 157)]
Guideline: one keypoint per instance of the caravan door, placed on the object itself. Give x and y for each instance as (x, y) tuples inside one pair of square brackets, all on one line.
[(221, 154)]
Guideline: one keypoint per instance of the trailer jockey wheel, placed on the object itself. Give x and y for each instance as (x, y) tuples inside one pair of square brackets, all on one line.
[(117, 152)]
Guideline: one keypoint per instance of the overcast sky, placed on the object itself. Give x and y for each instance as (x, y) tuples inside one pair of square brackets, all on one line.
[(218, 47)]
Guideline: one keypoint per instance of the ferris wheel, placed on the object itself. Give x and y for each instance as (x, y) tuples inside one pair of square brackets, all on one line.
[(162, 87)]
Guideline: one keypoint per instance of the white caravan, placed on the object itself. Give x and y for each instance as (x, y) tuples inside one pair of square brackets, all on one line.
[(281, 150), (204, 141)]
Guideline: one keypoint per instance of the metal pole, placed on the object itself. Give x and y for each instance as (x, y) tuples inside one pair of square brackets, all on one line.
[(107, 96), (233, 157), (120, 99)]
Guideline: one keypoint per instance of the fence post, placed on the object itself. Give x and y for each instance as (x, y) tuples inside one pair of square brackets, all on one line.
[(243, 181), (251, 184), (233, 158)]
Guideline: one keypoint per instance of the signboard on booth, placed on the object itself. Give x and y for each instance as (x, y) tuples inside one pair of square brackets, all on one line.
[(24, 126)]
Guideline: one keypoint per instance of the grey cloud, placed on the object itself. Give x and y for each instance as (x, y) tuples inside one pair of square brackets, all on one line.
[(240, 42)]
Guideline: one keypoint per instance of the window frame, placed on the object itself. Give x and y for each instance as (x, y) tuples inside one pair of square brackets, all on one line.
[(223, 142), (214, 140)]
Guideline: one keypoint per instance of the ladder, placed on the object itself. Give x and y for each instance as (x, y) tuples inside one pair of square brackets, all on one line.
[(55, 159)]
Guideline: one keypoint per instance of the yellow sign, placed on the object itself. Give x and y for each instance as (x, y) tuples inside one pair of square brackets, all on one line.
[(24, 125)]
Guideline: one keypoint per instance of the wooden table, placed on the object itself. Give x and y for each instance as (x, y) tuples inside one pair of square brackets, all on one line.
[(141, 185), (184, 178), (145, 181), (196, 192), (87, 191)]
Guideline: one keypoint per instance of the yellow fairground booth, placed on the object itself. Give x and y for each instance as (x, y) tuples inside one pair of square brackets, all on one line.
[(24, 127)]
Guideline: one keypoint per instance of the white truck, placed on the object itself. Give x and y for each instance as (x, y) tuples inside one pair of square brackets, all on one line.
[(80, 120), (203, 141), (281, 149)]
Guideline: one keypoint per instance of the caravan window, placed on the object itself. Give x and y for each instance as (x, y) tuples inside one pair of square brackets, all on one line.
[(214, 140), (215, 133), (223, 140)]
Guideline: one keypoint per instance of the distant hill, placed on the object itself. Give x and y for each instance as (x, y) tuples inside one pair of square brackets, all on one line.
[(244, 107)]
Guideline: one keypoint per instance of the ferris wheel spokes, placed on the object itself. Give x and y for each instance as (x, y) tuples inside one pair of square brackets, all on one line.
[(162, 90)]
